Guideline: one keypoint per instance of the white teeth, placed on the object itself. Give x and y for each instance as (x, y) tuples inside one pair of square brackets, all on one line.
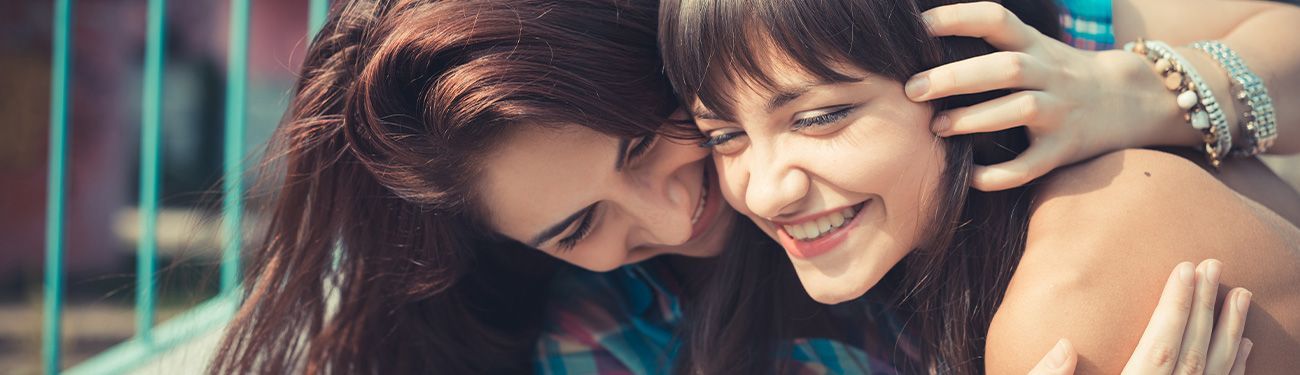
[(821, 226), (837, 220), (811, 229), (795, 230), (824, 224), (699, 206)]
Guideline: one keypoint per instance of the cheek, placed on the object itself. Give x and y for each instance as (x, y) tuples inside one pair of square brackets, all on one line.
[(895, 157), (732, 177), (885, 153)]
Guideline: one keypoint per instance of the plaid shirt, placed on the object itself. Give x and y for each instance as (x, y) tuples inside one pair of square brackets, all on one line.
[(1087, 24), (622, 322)]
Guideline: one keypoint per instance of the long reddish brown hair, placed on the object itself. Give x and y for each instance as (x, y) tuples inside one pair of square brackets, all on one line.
[(376, 258)]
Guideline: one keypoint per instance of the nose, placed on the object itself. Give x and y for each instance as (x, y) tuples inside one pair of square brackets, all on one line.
[(775, 185), (662, 191)]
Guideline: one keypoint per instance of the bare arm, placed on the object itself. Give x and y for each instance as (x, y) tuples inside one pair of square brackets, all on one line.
[(1262, 33), (1080, 104), (1103, 233)]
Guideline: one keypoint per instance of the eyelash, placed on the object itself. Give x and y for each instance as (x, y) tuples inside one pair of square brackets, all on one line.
[(716, 140), (819, 120), (822, 119), (584, 227), (641, 147)]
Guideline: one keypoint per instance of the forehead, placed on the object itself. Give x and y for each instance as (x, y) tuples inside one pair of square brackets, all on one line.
[(540, 175)]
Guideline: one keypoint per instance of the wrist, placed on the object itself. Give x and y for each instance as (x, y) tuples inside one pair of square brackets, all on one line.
[(1147, 107)]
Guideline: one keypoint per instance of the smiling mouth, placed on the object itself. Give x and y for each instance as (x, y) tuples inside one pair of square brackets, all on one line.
[(709, 207), (699, 206), (825, 225)]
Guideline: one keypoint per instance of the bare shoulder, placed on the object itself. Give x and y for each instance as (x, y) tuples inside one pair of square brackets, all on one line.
[(1104, 235), (1151, 199)]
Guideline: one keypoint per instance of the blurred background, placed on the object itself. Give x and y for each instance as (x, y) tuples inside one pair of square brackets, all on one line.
[(103, 178), (102, 231)]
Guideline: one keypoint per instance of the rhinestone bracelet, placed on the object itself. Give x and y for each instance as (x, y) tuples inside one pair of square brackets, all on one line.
[(1193, 96), (1259, 123)]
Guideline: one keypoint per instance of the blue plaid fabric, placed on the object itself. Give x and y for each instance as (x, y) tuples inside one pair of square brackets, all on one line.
[(1087, 24), (622, 322)]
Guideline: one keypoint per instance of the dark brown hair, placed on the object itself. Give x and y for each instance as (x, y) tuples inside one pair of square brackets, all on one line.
[(376, 258), (951, 285)]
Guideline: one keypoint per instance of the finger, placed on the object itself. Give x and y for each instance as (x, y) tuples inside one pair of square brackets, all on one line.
[(1061, 360), (986, 20), (1226, 339), (1020, 108), (998, 70), (1239, 365), (1035, 162), (1196, 339), (1158, 348)]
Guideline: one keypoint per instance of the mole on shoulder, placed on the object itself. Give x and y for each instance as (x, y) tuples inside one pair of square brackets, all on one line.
[(1147, 173)]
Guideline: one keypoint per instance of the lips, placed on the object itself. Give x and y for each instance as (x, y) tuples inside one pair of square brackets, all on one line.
[(814, 235), (699, 205), (708, 206)]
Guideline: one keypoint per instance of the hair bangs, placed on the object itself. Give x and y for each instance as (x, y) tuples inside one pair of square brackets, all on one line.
[(711, 47)]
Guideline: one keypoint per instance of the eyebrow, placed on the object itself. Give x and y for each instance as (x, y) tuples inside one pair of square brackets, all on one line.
[(782, 97), (558, 228), (786, 96)]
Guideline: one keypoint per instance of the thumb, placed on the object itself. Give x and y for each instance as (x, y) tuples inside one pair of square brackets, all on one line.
[(1059, 361)]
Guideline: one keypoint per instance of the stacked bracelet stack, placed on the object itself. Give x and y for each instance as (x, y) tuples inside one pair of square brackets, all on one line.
[(1193, 96), (1258, 122)]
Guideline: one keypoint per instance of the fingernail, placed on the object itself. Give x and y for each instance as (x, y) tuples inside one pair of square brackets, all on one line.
[(1058, 356), (941, 123), (917, 86), (1187, 274), (1246, 345), (1212, 272), (928, 19), (1243, 301)]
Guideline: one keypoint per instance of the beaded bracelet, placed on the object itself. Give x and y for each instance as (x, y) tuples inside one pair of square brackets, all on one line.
[(1259, 123), (1193, 96)]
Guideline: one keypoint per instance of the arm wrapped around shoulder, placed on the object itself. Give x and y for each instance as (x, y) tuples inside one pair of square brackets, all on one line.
[(1102, 237)]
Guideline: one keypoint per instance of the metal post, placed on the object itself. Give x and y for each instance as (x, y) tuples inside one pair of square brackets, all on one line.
[(150, 167), (54, 212), (316, 13), (232, 185)]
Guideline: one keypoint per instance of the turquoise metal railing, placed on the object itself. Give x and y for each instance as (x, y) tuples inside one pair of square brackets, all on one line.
[(150, 166), (232, 206), (150, 340), (54, 194)]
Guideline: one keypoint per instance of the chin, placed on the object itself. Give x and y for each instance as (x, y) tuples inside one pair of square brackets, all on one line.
[(845, 275), (838, 288), (715, 241)]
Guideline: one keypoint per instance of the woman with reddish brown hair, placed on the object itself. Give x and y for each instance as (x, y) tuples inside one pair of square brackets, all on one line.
[(432, 148), (379, 256)]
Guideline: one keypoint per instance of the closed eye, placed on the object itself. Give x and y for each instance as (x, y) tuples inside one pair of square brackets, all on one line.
[(641, 146), (719, 139), (724, 141), (824, 119), (583, 229)]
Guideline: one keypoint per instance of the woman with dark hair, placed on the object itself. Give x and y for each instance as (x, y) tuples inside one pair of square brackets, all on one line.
[(432, 148), (381, 255), (815, 140)]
